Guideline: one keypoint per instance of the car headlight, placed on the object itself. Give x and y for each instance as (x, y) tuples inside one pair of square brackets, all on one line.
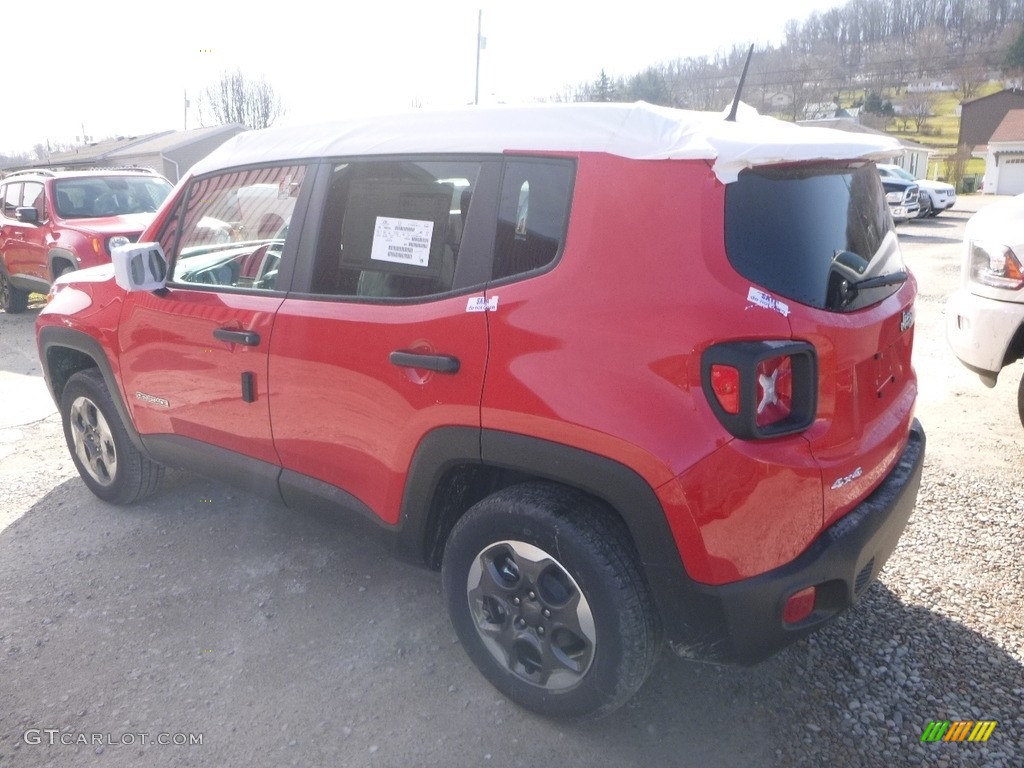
[(894, 197), (996, 265), (117, 241)]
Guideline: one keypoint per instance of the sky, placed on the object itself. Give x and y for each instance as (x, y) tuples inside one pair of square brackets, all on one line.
[(124, 68)]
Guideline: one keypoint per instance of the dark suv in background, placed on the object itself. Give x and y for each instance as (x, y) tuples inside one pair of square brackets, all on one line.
[(902, 197), (52, 222)]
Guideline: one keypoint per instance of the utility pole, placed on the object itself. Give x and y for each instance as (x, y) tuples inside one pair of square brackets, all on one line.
[(480, 43)]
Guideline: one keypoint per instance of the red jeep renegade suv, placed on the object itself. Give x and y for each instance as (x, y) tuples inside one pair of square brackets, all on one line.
[(52, 222), (622, 373)]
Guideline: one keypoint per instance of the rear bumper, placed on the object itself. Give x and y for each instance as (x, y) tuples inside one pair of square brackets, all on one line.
[(744, 620)]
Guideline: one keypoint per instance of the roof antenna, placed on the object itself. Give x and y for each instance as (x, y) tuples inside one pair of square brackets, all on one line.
[(739, 88)]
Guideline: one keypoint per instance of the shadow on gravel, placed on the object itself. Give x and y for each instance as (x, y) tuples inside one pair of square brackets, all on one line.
[(284, 638)]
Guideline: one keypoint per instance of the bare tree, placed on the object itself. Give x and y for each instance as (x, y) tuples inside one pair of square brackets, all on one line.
[(918, 106), (236, 98), (970, 77), (956, 166)]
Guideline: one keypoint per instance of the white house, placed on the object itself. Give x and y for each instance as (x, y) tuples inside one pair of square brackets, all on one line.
[(1004, 156)]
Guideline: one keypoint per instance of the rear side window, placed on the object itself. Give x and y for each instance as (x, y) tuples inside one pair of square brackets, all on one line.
[(392, 229), (533, 213), (813, 234)]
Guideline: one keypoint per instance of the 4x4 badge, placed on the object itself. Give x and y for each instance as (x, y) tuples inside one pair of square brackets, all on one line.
[(848, 479)]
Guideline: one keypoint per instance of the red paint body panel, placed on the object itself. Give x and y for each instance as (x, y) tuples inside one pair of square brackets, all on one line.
[(631, 390), (168, 351), (344, 414)]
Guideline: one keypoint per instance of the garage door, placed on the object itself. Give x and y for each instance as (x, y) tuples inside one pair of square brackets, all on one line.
[(1011, 176)]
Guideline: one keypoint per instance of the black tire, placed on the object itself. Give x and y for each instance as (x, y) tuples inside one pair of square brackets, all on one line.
[(925, 202), (546, 595), (100, 446), (1020, 400), (12, 300)]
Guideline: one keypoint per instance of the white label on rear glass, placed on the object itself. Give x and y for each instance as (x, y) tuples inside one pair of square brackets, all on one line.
[(402, 241), (762, 299), (482, 304)]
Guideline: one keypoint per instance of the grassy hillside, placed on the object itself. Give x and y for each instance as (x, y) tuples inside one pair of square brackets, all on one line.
[(940, 131)]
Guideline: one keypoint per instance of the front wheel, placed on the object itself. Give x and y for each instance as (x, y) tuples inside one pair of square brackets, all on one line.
[(547, 598), (12, 300), (100, 446), (925, 202)]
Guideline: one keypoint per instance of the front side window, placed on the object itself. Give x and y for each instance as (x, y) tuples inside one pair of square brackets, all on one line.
[(392, 229), (819, 235), (32, 197), (90, 197), (230, 231)]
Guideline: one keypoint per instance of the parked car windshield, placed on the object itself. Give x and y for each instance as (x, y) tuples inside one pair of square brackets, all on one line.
[(896, 172), (97, 196), (814, 234)]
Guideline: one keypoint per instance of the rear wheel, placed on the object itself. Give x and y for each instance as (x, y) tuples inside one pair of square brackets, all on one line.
[(547, 598), (12, 300), (100, 446)]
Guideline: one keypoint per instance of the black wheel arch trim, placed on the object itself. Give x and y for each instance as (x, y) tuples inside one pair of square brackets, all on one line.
[(686, 613), (51, 337), (63, 254)]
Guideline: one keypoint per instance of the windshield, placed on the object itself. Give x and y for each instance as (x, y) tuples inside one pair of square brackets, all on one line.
[(92, 197), (897, 172), (819, 235)]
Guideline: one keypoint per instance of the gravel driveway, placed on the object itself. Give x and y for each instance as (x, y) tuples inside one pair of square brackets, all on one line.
[(278, 638)]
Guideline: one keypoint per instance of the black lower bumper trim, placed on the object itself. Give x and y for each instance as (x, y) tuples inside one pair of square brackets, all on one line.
[(746, 616)]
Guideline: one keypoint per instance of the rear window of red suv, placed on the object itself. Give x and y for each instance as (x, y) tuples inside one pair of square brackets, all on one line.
[(814, 234)]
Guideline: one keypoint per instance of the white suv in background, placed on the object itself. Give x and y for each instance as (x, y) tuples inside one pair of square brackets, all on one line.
[(985, 317), (935, 196)]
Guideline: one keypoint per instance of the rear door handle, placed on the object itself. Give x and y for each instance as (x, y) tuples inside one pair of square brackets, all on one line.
[(247, 338), (439, 363)]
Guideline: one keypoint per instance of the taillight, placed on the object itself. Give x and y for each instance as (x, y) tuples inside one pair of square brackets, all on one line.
[(761, 389), (995, 265), (774, 390), (725, 382)]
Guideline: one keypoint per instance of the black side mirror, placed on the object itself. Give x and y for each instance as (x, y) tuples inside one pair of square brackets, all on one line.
[(27, 215)]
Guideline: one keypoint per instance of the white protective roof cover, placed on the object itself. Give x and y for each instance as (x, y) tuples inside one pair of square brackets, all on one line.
[(640, 131)]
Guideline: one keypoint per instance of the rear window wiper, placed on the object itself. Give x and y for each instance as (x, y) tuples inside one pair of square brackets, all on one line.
[(848, 290)]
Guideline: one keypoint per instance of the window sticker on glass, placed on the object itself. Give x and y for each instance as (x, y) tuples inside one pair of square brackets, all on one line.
[(402, 241)]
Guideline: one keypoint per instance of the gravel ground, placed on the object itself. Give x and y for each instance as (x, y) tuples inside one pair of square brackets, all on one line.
[(287, 641), (941, 637)]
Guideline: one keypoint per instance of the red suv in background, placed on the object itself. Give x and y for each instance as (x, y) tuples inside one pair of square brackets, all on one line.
[(52, 222), (622, 373)]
